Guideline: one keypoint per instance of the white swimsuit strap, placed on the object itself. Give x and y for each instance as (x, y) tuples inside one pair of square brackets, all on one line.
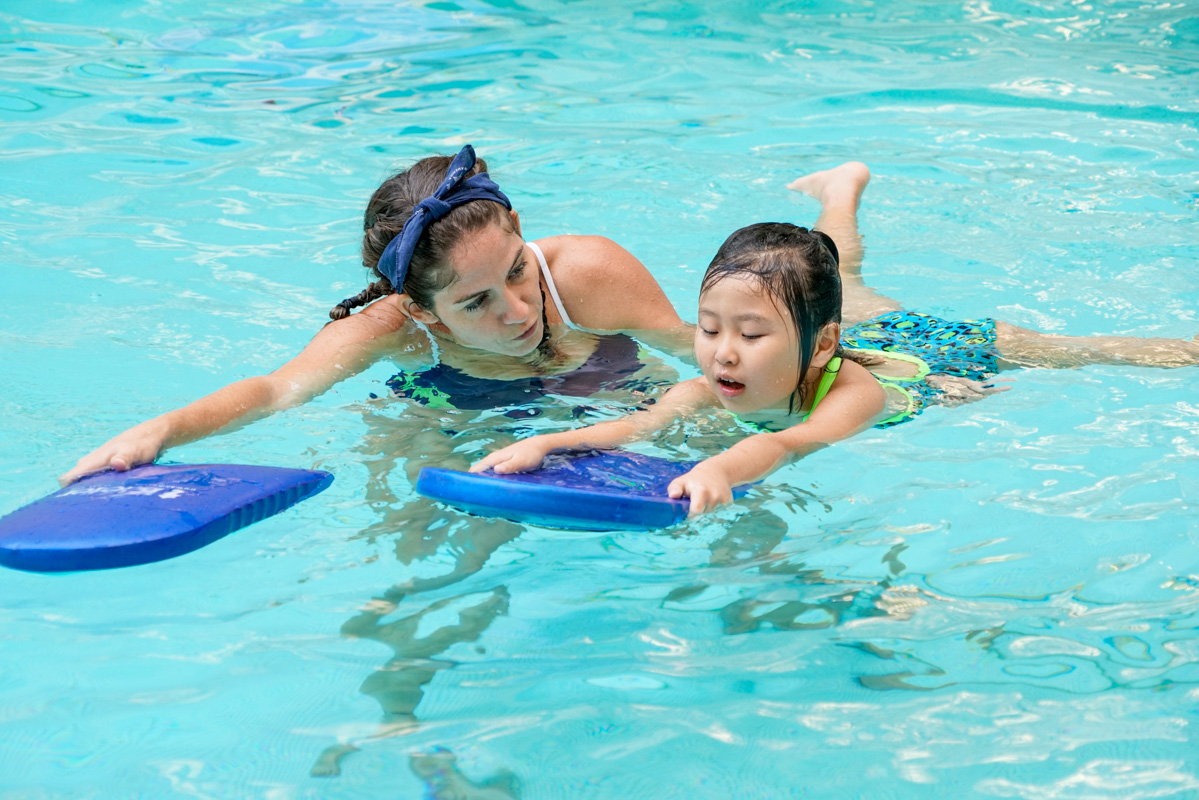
[(549, 282)]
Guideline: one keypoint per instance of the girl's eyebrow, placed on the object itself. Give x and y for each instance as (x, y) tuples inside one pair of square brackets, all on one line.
[(748, 316), (470, 298)]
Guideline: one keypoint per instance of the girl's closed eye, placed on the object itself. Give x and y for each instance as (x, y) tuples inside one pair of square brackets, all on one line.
[(706, 332), (752, 336), (476, 304), (517, 272)]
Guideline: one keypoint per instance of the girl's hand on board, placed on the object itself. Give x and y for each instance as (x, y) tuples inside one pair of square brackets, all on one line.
[(706, 485), (138, 445), (523, 456)]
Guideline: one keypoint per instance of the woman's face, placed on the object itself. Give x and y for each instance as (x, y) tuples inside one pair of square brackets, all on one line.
[(746, 346), (494, 302)]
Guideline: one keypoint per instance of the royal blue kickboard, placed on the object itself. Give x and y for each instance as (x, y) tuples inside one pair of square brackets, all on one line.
[(591, 491), (149, 513)]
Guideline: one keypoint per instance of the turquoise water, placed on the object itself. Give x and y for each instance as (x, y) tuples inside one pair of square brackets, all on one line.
[(998, 600)]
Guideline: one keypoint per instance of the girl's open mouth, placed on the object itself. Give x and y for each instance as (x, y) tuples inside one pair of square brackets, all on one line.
[(730, 388)]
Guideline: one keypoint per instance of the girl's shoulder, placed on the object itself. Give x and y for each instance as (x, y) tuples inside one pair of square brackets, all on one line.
[(852, 377), (855, 393)]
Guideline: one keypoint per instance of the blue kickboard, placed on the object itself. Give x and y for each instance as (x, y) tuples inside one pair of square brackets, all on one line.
[(592, 491), (149, 513)]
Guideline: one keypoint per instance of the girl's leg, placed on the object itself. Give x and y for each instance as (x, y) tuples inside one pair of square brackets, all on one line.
[(1021, 347), (839, 190)]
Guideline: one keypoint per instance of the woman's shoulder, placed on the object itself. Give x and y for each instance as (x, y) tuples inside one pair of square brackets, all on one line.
[(384, 313), (571, 257), (381, 326), (380, 318), (604, 286)]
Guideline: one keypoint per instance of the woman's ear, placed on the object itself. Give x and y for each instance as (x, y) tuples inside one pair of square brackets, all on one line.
[(826, 344), (415, 311), (515, 221)]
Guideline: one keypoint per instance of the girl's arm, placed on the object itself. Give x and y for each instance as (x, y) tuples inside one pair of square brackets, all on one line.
[(341, 349), (528, 454), (853, 404)]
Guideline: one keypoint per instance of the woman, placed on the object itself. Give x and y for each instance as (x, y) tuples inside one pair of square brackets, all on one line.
[(446, 246)]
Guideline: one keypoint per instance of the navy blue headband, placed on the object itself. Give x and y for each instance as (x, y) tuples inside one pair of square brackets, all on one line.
[(453, 192)]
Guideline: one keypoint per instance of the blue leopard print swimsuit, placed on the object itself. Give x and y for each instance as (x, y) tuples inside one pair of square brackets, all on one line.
[(965, 348)]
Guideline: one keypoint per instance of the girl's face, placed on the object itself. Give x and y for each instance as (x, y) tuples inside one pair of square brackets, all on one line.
[(747, 347), (494, 302)]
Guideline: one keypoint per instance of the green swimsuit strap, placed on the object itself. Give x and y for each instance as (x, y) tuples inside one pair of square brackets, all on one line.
[(826, 382), (908, 411), (922, 369), (894, 383)]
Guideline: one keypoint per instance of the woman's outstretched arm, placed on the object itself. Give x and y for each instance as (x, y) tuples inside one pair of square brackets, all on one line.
[(339, 350)]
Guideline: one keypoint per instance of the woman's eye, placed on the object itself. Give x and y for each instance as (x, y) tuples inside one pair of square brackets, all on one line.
[(476, 305), (517, 271), (752, 336)]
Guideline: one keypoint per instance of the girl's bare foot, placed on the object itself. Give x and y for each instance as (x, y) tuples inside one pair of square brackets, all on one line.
[(839, 186)]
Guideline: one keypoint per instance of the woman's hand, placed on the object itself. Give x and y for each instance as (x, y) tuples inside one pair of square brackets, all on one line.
[(706, 485), (138, 445), (956, 391), (524, 456)]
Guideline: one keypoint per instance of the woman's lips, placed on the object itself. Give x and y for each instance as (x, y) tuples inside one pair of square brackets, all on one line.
[(531, 330)]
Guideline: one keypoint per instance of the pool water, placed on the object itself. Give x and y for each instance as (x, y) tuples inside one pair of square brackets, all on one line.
[(996, 600)]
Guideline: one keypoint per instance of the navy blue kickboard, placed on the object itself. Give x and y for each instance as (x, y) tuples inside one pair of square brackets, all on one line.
[(591, 491), (149, 513)]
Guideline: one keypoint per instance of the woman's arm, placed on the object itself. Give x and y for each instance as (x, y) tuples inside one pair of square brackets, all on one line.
[(853, 404), (341, 349), (528, 454)]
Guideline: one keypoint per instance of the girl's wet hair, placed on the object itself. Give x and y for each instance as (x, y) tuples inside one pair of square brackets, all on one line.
[(389, 208), (797, 267)]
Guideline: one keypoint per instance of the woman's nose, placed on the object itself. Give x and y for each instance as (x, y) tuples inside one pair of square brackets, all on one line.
[(516, 308)]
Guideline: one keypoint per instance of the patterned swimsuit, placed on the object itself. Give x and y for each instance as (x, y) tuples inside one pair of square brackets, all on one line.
[(964, 349)]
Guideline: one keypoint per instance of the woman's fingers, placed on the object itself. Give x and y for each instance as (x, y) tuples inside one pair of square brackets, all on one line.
[(136, 446), (956, 390), (97, 462)]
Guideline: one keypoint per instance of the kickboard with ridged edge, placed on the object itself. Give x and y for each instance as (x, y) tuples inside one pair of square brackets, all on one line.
[(146, 514)]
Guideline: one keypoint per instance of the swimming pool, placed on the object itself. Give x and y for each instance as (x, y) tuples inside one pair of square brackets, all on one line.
[(995, 600)]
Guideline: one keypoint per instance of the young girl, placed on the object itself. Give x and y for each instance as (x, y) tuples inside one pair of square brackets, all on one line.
[(768, 342)]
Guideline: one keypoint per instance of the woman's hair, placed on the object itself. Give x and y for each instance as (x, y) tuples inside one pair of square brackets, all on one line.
[(390, 207), (797, 268)]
